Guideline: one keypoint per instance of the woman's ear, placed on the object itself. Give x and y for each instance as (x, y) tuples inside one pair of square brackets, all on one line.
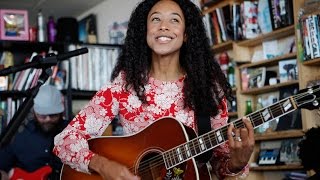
[(185, 37)]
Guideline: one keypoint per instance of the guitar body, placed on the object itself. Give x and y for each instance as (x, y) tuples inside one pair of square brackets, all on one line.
[(166, 148), (141, 153), (39, 174)]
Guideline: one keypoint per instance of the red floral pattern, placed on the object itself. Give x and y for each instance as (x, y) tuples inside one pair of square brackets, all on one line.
[(163, 99)]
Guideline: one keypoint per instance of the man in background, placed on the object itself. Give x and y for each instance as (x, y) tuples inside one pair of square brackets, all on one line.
[(309, 149), (30, 152)]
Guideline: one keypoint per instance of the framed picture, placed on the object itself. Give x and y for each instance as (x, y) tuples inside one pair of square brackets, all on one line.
[(14, 24), (88, 29)]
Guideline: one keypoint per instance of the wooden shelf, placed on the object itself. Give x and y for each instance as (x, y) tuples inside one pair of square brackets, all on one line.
[(269, 62), (30, 46), (283, 32), (277, 168), (13, 94), (234, 90), (80, 94), (279, 135), (209, 7), (233, 114), (44, 46), (265, 89), (312, 62), (225, 46)]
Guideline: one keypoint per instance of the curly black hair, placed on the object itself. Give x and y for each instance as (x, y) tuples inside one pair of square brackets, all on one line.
[(205, 84), (309, 148)]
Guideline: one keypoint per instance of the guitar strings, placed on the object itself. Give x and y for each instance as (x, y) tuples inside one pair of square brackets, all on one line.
[(158, 160)]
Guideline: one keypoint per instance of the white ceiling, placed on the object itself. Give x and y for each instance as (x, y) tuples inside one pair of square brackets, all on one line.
[(57, 8)]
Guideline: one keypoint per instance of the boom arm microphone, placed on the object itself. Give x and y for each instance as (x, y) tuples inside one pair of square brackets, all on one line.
[(43, 62)]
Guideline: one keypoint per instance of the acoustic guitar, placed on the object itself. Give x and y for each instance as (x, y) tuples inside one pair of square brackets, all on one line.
[(167, 149)]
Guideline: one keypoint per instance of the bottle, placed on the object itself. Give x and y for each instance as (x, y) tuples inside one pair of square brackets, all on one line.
[(223, 61), (234, 105), (51, 30), (41, 36), (231, 76), (248, 107), (259, 103)]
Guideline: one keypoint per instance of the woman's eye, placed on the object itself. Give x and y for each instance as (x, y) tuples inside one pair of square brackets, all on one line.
[(155, 19), (175, 20)]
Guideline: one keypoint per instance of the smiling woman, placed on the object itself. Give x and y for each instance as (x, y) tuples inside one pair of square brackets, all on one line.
[(166, 69)]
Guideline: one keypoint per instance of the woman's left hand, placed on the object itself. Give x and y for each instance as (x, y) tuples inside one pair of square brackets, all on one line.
[(241, 143)]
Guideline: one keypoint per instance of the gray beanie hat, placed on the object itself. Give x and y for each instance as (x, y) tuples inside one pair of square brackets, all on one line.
[(48, 101)]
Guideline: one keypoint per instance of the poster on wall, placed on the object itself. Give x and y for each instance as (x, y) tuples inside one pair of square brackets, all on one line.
[(117, 32), (88, 29)]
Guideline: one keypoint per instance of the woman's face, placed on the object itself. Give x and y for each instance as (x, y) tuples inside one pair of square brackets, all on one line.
[(165, 28)]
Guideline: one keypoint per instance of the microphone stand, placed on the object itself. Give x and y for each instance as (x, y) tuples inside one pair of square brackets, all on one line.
[(45, 64)]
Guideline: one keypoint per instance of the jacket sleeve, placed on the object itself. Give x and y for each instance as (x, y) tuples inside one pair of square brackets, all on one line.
[(7, 158)]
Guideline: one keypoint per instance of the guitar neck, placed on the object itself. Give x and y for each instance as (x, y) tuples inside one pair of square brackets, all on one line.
[(219, 136)]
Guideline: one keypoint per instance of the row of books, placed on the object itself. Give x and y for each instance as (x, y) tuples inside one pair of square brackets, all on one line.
[(279, 152), (8, 108), (89, 71), (247, 20), (292, 120), (25, 79), (286, 70), (223, 24)]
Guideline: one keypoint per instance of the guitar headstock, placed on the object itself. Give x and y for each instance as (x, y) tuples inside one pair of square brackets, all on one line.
[(308, 98)]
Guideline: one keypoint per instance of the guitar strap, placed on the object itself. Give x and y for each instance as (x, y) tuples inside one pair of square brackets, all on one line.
[(204, 126)]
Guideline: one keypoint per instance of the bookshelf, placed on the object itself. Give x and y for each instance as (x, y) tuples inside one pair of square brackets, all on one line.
[(278, 135), (277, 168), (24, 49), (225, 46), (265, 89), (308, 70)]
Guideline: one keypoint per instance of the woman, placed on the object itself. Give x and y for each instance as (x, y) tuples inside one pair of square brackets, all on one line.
[(166, 68)]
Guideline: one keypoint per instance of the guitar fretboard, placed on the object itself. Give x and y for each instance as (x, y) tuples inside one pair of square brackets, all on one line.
[(216, 137)]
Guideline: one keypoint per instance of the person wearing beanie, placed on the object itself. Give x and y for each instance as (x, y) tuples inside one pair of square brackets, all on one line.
[(29, 154)]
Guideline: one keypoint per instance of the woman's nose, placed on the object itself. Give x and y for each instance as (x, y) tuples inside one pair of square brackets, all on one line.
[(164, 26)]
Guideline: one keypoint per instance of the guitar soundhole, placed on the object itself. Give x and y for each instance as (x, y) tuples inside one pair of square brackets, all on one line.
[(152, 167)]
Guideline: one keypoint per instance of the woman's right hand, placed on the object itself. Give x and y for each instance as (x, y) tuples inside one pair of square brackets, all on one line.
[(110, 170)]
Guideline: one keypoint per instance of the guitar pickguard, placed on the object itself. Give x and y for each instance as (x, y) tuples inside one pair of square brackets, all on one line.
[(151, 169)]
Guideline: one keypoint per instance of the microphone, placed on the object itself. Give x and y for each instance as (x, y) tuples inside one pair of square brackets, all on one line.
[(70, 54), (45, 62)]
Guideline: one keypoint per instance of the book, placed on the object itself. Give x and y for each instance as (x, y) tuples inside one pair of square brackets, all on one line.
[(237, 28), (265, 100), (216, 28), (250, 19), (288, 70), (270, 49), (289, 151), (269, 152), (293, 119), (264, 18), (88, 29), (281, 12)]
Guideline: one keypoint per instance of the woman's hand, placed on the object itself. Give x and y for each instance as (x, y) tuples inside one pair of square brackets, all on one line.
[(110, 170), (241, 143)]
